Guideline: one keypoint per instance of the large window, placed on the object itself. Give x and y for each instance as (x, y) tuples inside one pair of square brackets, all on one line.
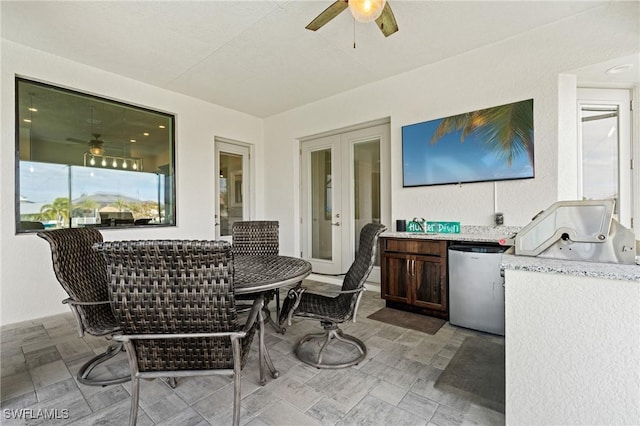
[(83, 160)]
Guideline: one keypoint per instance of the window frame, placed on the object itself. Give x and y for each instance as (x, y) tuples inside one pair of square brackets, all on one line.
[(171, 150)]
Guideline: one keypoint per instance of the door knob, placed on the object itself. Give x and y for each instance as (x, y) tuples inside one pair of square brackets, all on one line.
[(336, 224)]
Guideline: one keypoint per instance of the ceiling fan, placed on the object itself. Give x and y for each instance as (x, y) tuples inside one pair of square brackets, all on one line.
[(95, 145), (363, 11)]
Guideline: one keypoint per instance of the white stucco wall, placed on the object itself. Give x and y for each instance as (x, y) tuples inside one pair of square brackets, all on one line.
[(27, 285), (572, 350), (522, 67)]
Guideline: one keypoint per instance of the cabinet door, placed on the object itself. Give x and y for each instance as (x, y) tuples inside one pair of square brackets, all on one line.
[(395, 277), (430, 283)]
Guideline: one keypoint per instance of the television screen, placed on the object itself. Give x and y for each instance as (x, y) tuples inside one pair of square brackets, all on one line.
[(485, 145)]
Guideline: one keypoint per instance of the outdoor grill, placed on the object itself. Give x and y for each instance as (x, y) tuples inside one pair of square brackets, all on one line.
[(578, 230)]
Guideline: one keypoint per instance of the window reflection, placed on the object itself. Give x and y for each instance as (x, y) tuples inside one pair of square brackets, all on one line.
[(89, 161), (120, 197), (600, 153)]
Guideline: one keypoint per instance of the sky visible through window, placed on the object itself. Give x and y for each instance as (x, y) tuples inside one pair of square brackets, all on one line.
[(43, 182)]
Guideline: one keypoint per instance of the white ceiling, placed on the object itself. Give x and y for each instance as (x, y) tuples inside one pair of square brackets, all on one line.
[(256, 56)]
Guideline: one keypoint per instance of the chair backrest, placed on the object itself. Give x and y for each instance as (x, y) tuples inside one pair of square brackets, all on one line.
[(255, 237), (363, 264), (82, 273), (28, 225), (123, 217), (174, 287)]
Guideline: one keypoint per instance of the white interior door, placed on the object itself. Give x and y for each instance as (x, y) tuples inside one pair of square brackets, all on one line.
[(344, 187), (322, 204), (232, 190)]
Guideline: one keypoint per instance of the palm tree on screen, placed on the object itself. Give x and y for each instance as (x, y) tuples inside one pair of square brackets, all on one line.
[(506, 129)]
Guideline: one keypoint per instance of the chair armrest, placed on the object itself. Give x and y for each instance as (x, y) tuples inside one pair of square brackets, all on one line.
[(72, 302), (128, 337), (294, 294), (358, 290)]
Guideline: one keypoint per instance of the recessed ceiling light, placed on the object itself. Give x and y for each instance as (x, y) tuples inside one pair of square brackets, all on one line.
[(132, 140), (619, 68), (161, 126), (32, 109), (146, 134), (26, 120)]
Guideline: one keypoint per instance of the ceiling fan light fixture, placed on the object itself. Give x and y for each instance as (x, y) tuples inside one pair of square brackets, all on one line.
[(366, 10), (96, 150)]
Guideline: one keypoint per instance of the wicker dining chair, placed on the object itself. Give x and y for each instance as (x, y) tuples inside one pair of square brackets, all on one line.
[(335, 309), (255, 237), (83, 275), (258, 238), (174, 301)]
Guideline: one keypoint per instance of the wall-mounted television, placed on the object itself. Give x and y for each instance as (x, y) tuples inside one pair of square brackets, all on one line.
[(486, 145)]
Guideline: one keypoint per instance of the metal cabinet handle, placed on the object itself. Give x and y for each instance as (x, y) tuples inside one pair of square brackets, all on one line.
[(411, 268)]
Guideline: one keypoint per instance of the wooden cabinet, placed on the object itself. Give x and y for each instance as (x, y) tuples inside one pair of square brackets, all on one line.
[(414, 275)]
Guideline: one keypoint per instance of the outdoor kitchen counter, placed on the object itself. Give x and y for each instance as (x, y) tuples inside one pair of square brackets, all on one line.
[(572, 335), (474, 234), (612, 271)]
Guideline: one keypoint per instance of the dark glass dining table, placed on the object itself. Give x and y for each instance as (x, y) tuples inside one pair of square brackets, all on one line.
[(262, 274)]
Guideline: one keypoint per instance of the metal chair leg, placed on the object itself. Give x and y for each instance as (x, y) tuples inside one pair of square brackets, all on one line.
[(267, 311), (263, 354), (331, 332), (261, 348), (87, 368), (135, 399)]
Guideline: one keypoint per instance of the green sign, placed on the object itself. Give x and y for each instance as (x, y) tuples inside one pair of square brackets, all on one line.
[(443, 227), (415, 226)]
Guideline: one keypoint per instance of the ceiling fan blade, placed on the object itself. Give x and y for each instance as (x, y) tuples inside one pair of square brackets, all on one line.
[(77, 140), (328, 14), (387, 22)]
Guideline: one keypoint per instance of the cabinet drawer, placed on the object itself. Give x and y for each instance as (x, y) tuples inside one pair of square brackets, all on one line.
[(437, 248)]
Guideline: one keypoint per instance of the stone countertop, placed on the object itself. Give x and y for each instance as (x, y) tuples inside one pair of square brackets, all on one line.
[(479, 234), (612, 271), (493, 234)]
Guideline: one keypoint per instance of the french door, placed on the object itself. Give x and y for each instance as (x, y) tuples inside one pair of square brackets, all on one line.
[(232, 190), (344, 187)]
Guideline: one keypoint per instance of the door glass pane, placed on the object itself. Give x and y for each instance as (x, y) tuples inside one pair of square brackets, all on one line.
[(230, 184), (321, 205), (366, 173), (600, 153)]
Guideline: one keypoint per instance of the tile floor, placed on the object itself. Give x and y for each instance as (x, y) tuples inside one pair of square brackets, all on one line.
[(393, 386)]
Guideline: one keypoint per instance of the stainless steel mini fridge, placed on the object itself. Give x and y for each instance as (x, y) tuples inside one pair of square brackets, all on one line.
[(476, 289)]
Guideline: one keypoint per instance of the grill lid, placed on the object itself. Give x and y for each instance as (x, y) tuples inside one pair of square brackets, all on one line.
[(577, 230)]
